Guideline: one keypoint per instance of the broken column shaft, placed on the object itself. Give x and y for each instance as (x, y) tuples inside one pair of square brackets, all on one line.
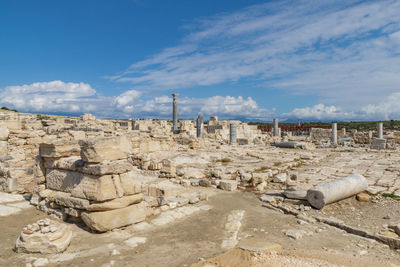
[(200, 126), (276, 127), (175, 113), (380, 130), (339, 189), (232, 133), (334, 134)]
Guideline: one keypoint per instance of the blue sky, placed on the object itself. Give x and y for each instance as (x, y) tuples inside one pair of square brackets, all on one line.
[(250, 60)]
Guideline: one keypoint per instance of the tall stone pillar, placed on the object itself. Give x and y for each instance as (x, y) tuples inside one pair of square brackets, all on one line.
[(175, 113), (276, 127), (200, 126), (232, 133), (334, 134), (380, 129)]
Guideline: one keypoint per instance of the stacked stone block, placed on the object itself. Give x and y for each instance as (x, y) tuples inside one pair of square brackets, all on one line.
[(83, 180)]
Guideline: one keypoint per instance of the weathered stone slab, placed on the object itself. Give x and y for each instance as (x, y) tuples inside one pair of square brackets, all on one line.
[(107, 148), (66, 200), (107, 167), (107, 220), (228, 185), (62, 180), (166, 189), (59, 149), (134, 182), (117, 203), (70, 163), (98, 188)]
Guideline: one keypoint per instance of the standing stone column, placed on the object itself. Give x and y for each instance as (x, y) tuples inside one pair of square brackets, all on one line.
[(175, 113), (276, 127), (380, 129), (334, 134), (200, 126), (232, 133)]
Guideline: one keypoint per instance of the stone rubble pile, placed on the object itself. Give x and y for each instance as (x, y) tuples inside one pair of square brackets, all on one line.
[(44, 236)]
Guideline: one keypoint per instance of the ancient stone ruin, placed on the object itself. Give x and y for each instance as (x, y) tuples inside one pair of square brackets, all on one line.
[(223, 188)]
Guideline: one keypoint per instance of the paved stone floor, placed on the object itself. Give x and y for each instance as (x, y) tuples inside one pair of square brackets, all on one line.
[(12, 204)]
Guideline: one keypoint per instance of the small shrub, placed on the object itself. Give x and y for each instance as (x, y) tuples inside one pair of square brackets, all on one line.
[(393, 196), (42, 117)]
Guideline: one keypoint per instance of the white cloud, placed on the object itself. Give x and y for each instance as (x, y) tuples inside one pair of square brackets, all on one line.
[(54, 96), (345, 52), (61, 97), (388, 109), (319, 112), (226, 107), (128, 97)]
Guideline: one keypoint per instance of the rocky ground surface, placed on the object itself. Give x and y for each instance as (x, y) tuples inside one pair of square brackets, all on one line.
[(201, 232), (213, 232)]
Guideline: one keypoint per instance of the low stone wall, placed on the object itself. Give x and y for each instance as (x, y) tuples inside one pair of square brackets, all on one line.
[(97, 181)]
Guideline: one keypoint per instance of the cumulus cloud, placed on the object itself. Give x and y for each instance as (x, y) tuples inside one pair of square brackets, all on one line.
[(54, 96), (224, 106), (388, 109), (78, 98), (319, 112), (345, 52)]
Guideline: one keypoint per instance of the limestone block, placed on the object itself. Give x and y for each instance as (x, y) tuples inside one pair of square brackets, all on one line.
[(107, 220), (378, 143), (168, 167), (66, 200), (107, 148), (107, 167), (166, 189), (20, 173), (118, 186), (280, 178), (259, 177), (12, 184), (3, 148), (48, 194), (4, 132), (39, 172), (44, 236), (129, 184), (98, 188), (228, 185), (77, 135), (69, 163), (62, 180), (59, 149), (117, 203)]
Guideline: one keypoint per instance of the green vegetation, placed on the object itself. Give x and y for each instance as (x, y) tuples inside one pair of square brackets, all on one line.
[(393, 196), (6, 108), (42, 117), (351, 125), (224, 160)]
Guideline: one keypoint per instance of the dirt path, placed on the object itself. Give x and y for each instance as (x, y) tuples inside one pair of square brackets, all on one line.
[(200, 235)]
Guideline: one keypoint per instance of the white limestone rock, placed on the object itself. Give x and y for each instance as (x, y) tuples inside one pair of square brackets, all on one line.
[(228, 185), (44, 236), (107, 220)]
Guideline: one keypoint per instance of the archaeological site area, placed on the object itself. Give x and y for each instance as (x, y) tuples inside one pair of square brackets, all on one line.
[(83, 191)]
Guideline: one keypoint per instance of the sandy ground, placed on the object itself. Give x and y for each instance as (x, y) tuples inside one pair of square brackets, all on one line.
[(199, 236)]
